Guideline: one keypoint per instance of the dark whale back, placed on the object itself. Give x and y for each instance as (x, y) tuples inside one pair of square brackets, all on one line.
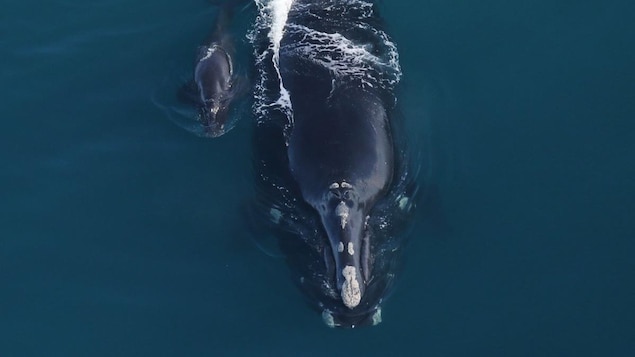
[(216, 85), (346, 138), (331, 182)]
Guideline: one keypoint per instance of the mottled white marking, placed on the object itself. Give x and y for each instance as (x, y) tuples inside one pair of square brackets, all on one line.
[(403, 203), (340, 247), (275, 214), (346, 185), (350, 249), (342, 211), (377, 317), (351, 294), (334, 185), (328, 318)]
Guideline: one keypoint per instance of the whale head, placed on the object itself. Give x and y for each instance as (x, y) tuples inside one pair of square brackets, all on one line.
[(213, 77), (343, 215)]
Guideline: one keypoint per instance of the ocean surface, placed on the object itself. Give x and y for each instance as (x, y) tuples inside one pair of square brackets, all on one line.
[(121, 233)]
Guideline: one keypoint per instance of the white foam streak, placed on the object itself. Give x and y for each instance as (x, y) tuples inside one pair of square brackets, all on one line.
[(279, 10), (345, 58), (274, 14), (369, 62)]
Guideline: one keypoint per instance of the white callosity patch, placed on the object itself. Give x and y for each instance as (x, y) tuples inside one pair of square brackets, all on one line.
[(340, 247), (351, 293), (334, 185), (377, 317), (403, 202), (350, 249), (346, 185), (275, 215), (342, 211), (328, 318)]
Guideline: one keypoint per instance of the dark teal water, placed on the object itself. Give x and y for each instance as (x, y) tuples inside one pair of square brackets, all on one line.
[(120, 233)]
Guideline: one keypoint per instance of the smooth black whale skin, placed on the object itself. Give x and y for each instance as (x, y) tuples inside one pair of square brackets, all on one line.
[(332, 182), (215, 83), (341, 156)]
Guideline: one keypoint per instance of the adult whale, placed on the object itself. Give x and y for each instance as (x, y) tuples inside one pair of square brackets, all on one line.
[(341, 155), (336, 184)]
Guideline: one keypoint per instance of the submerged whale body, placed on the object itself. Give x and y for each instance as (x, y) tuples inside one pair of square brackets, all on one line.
[(335, 188), (215, 83), (213, 79)]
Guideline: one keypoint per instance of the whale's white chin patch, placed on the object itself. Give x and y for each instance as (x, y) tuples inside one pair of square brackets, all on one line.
[(351, 294), (342, 212)]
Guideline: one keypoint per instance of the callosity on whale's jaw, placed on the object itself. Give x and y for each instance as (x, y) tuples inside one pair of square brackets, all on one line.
[(344, 222), (354, 285), (344, 227)]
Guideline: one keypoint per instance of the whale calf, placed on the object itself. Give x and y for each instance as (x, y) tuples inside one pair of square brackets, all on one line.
[(213, 78), (215, 84)]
